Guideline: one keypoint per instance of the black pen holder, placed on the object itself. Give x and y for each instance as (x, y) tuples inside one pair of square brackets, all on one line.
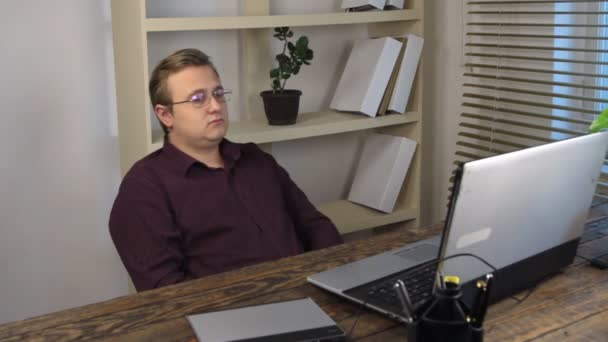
[(444, 318)]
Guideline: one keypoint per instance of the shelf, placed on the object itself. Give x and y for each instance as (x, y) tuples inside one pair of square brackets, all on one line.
[(269, 21), (349, 217), (308, 125)]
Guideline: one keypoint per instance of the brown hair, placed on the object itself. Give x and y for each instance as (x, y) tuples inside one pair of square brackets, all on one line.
[(177, 61)]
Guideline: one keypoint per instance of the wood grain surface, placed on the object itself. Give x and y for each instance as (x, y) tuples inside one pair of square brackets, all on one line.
[(571, 306)]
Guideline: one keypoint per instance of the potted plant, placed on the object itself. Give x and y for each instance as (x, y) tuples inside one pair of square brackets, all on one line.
[(281, 105)]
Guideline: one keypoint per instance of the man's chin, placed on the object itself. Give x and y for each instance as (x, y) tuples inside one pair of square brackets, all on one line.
[(217, 137)]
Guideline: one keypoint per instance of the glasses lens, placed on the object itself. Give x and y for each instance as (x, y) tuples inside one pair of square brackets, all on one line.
[(198, 99), (222, 95)]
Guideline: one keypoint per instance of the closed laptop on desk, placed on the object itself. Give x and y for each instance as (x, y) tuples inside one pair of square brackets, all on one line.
[(523, 212), (297, 320)]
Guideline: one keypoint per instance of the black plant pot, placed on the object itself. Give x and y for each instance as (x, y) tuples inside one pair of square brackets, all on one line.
[(282, 107)]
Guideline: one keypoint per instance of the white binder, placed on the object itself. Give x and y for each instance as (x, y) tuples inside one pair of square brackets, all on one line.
[(398, 4), (381, 171), (379, 4), (366, 75), (407, 73)]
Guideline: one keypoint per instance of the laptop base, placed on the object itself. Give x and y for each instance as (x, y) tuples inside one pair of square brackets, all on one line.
[(526, 273)]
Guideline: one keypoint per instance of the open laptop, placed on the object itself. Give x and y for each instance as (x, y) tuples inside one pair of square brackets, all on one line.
[(523, 212)]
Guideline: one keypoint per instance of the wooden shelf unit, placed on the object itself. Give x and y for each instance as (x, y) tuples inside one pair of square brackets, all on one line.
[(351, 217), (131, 28), (266, 21)]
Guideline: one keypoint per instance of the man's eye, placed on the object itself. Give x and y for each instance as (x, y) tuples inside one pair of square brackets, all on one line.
[(198, 97)]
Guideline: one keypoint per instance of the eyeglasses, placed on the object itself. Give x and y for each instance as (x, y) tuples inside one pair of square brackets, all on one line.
[(199, 98)]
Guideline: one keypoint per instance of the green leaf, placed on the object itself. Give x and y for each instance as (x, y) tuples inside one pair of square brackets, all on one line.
[(302, 43), (282, 59), (601, 123), (286, 76), (309, 55), (284, 68), (276, 84), (291, 47), (290, 34), (274, 73), (277, 29)]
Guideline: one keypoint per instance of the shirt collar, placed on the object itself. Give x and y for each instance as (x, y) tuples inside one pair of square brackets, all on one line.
[(230, 152)]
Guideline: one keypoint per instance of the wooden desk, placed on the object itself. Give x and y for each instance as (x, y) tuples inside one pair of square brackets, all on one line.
[(572, 306)]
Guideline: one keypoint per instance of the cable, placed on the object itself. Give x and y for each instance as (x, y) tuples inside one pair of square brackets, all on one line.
[(519, 301), (585, 258), (357, 315), (469, 255), (589, 260)]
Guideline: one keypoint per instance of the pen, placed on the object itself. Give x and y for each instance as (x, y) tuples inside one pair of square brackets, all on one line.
[(439, 280), (404, 297), (480, 306)]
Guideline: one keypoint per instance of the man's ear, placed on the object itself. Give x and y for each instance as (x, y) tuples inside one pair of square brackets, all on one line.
[(164, 115)]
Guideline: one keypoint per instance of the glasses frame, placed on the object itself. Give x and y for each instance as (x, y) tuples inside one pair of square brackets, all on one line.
[(198, 104)]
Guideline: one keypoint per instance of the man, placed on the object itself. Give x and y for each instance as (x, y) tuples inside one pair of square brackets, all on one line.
[(202, 204)]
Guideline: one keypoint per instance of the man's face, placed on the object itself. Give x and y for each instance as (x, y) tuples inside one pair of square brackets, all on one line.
[(193, 124)]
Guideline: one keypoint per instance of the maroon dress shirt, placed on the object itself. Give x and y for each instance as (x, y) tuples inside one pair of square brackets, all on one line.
[(176, 219)]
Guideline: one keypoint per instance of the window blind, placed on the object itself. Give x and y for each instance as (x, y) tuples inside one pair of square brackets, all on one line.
[(535, 72)]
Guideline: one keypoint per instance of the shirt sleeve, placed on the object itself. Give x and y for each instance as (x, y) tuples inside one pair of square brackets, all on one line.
[(145, 236), (314, 229)]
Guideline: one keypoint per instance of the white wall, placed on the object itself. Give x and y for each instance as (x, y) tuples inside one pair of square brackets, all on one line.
[(59, 157)]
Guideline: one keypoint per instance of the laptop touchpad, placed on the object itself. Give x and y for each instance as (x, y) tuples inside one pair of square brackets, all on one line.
[(420, 253)]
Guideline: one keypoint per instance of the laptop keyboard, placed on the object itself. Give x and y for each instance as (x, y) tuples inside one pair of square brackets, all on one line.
[(418, 281)]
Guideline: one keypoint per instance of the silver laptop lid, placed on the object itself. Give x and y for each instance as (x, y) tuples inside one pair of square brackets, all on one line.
[(512, 206), (263, 321)]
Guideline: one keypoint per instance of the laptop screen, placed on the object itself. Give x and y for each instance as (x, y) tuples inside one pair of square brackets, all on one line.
[(518, 205)]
